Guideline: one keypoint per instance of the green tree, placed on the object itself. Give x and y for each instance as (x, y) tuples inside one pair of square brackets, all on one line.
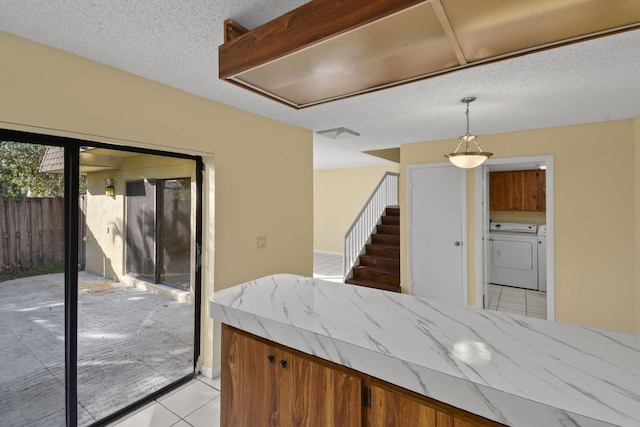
[(20, 174)]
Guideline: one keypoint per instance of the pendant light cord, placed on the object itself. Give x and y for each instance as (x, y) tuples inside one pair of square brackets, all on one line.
[(466, 145), (467, 114)]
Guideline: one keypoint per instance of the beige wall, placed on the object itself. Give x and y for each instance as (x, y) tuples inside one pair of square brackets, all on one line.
[(251, 187), (594, 215), (338, 196)]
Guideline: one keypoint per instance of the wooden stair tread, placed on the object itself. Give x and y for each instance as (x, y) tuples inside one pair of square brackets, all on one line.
[(382, 245), (390, 229), (385, 240), (385, 237), (380, 263), (375, 269), (376, 285), (390, 220), (375, 275), (392, 211), (374, 249), (380, 257)]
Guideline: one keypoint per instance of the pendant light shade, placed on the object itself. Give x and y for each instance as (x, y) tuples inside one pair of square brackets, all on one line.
[(468, 153)]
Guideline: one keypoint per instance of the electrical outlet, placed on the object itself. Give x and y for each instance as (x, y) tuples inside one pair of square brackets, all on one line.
[(262, 242)]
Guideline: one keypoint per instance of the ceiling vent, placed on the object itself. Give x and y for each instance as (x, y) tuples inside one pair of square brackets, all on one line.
[(338, 133)]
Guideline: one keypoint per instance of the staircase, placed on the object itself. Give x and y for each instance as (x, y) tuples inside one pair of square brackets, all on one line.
[(379, 266)]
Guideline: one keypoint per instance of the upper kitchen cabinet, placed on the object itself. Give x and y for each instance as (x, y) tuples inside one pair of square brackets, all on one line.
[(517, 191)]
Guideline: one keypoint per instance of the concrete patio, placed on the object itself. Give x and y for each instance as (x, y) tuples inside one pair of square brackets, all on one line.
[(130, 342)]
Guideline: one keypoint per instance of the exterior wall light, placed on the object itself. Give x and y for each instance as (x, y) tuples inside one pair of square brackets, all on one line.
[(109, 189)]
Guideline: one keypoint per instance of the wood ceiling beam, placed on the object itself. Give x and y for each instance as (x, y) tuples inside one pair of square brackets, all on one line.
[(233, 30), (448, 30), (309, 24), (331, 49)]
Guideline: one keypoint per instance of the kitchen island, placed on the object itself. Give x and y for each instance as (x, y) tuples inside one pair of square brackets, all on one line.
[(509, 369)]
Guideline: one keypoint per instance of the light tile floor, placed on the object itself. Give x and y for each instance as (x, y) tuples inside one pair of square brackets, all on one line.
[(327, 266), (524, 302), (194, 404)]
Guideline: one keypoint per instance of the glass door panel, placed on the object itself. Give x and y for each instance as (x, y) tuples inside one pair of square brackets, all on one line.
[(141, 229), (32, 299), (135, 335), (175, 232)]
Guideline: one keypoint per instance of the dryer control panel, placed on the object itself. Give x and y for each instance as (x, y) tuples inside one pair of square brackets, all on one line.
[(513, 227)]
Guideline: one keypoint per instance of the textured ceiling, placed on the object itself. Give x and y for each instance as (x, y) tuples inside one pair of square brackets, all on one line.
[(176, 43)]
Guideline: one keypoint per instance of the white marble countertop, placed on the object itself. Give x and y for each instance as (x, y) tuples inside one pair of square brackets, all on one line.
[(511, 369)]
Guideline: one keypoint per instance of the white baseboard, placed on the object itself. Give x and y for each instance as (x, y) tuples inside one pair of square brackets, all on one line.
[(210, 373)]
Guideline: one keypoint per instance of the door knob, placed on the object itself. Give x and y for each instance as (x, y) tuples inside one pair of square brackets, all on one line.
[(283, 363), (457, 243), (271, 358)]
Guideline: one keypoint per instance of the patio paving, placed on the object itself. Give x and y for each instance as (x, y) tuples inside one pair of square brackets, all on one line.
[(130, 342)]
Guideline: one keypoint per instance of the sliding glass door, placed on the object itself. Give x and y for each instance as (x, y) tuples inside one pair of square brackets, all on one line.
[(159, 231), (117, 322)]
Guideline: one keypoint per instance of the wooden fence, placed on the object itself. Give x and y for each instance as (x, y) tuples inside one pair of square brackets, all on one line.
[(32, 232)]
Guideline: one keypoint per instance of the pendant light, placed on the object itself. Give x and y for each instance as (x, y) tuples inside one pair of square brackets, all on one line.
[(464, 158)]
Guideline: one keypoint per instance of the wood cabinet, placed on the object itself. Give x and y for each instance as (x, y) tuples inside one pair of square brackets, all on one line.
[(269, 385), (392, 406), (266, 384), (517, 190)]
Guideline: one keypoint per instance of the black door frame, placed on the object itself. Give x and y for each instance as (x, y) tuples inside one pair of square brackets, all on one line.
[(71, 208)]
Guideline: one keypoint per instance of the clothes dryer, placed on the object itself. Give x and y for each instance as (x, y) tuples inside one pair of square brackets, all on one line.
[(513, 255), (542, 258)]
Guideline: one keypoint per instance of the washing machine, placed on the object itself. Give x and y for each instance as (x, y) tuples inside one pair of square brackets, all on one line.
[(542, 258), (513, 255)]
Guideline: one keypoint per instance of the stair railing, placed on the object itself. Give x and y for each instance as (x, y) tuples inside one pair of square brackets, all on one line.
[(357, 236)]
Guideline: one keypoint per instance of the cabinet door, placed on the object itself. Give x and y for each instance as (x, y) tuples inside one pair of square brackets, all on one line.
[(393, 406), (248, 380), (268, 385), (505, 191), (542, 190), (392, 409), (530, 190), (318, 394), (517, 191)]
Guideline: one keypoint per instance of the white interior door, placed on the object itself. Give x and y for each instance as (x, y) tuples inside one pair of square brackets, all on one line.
[(437, 213)]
